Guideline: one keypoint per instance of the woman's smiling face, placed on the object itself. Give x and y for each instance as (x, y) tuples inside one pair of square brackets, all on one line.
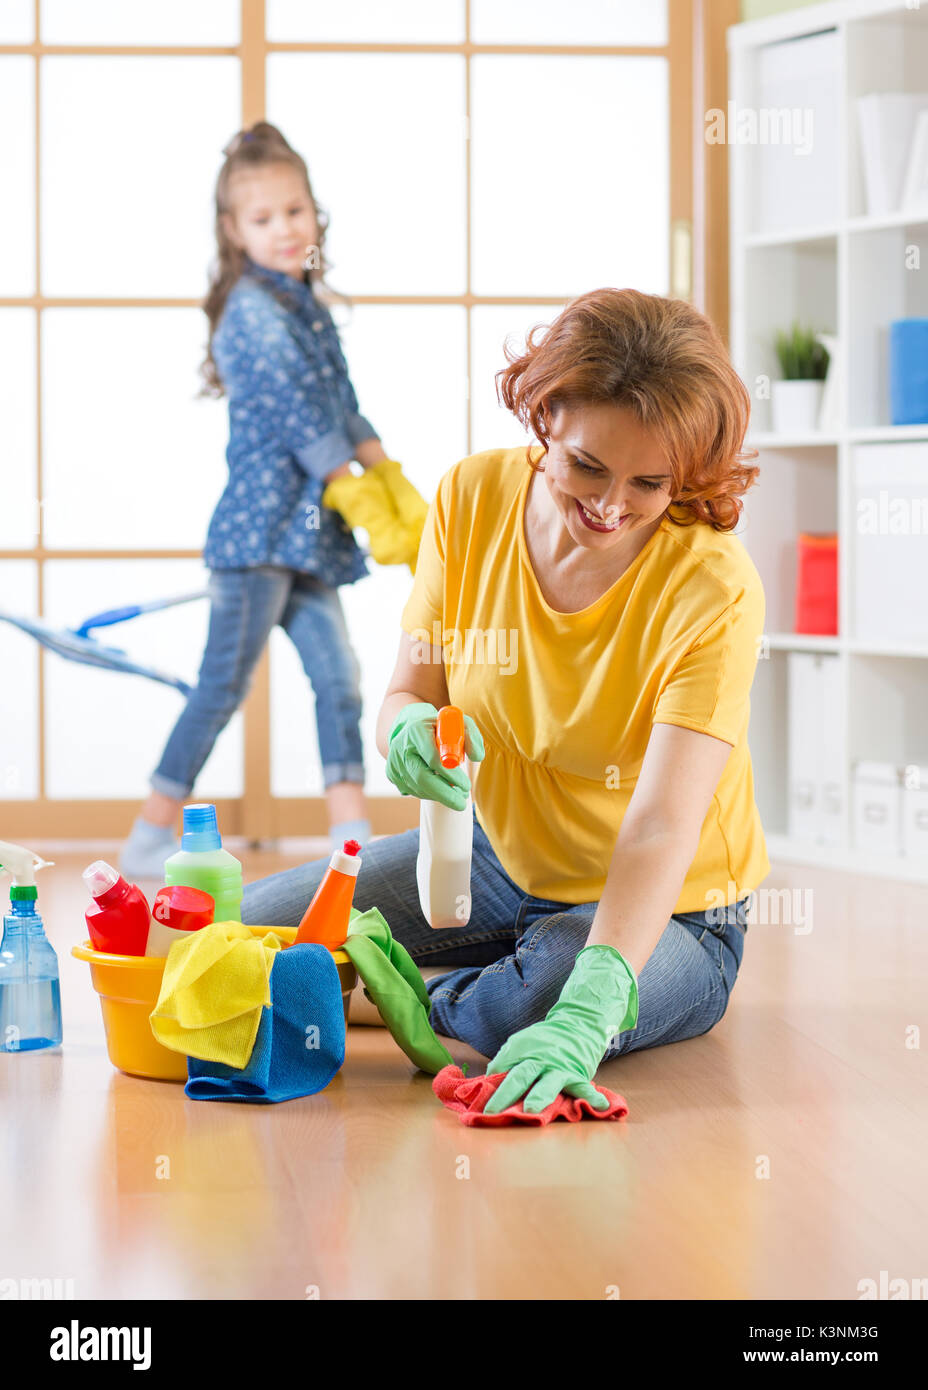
[(606, 473)]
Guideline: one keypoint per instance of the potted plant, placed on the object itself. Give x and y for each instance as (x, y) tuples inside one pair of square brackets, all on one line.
[(797, 398)]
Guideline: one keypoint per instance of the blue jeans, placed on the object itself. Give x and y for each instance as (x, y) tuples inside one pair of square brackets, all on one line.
[(513, 957), (246, 604)]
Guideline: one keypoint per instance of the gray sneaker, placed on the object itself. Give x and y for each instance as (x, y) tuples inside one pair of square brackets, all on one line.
[(145, 851)]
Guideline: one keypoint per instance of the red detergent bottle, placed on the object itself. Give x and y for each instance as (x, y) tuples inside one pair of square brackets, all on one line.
[(119, 917)]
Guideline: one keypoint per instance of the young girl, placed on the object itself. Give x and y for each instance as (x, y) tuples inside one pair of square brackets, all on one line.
[(274, 553)]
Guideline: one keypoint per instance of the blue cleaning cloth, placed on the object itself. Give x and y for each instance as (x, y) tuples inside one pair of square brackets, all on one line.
[(301, 1038)]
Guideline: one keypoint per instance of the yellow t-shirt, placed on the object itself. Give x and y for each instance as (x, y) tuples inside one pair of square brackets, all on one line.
[(565, 701)]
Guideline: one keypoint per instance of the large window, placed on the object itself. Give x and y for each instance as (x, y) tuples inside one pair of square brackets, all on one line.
[(481, 163)]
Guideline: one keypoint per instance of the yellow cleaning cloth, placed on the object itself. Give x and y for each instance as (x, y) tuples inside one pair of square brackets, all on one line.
[(216, 982)]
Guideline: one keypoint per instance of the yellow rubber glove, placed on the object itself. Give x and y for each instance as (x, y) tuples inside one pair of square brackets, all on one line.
[(411, 506), (366, 502)]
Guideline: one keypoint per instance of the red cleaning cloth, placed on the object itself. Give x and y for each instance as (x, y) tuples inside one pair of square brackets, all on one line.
[(469, 1096)]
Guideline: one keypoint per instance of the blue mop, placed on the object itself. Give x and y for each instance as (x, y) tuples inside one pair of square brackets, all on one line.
[(77, 644)]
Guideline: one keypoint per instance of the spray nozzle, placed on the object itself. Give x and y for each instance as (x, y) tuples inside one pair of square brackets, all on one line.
[(450, 736), (23, 864)]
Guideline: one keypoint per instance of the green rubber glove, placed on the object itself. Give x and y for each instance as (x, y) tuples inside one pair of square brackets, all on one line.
[(562, 1052), (393, 982), (413, 764)]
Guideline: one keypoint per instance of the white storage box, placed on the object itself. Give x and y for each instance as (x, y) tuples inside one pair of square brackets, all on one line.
[(817, 778), (804, 748), (886, 125), (795, 160), (877, 808), (890, 536), (915, 813), (833, 767)]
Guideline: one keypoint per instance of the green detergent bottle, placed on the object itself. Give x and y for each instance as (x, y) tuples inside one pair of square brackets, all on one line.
[(201, 862)]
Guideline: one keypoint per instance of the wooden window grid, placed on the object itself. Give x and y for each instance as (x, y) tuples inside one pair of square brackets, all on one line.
[(696, 57)]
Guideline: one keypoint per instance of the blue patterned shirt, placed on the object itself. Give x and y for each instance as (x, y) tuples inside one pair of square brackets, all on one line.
[(293, 417)]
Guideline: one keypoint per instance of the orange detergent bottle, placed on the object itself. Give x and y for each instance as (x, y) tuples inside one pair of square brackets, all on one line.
[(326, 919)]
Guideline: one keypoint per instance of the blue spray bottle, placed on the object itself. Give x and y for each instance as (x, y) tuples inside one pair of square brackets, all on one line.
[(30, 997)]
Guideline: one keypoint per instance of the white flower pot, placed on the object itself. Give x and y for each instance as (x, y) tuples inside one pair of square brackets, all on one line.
[(796, 406)]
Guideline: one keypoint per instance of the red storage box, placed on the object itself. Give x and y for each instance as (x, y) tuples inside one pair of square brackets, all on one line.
[(817, 584)]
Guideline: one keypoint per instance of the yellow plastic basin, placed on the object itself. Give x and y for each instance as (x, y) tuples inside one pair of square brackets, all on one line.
[(129, 986)]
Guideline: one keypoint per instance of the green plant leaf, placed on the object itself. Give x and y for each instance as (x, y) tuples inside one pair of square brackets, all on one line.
[(800, 355)]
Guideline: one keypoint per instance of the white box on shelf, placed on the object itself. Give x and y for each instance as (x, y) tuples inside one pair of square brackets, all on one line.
[(877, 808), (796, 161), (887, 122), (833, 765), (890, 564), (915, 813), (815, 753), (915, 188)]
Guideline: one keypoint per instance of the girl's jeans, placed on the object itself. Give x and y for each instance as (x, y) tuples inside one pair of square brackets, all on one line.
[(519, 950), (246, 605)]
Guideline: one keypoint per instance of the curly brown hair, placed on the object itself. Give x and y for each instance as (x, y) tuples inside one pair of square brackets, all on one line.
[(258, 146), (660, 358)]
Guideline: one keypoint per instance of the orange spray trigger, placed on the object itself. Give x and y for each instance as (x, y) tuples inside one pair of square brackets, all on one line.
[(449, 735)]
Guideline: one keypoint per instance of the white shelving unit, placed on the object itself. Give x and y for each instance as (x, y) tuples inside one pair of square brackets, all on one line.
[(803, 246)]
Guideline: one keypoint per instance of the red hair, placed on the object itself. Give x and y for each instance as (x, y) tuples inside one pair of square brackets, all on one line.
[(665, 361)]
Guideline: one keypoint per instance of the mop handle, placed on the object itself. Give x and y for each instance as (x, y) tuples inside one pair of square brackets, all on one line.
[(121, 615)]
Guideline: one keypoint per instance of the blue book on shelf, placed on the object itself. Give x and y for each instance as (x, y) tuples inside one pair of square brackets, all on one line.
[(908, 371)]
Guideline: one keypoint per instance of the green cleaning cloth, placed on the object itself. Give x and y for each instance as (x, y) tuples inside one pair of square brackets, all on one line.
[(392, 980)]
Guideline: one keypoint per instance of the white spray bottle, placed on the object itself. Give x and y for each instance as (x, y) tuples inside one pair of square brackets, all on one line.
[(446, 838)]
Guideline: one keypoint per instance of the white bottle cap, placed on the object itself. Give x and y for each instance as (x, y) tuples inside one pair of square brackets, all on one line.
[(346, 863), (100, 876)]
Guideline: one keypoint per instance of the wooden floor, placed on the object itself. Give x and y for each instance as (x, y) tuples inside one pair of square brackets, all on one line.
[(371, 1189)]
